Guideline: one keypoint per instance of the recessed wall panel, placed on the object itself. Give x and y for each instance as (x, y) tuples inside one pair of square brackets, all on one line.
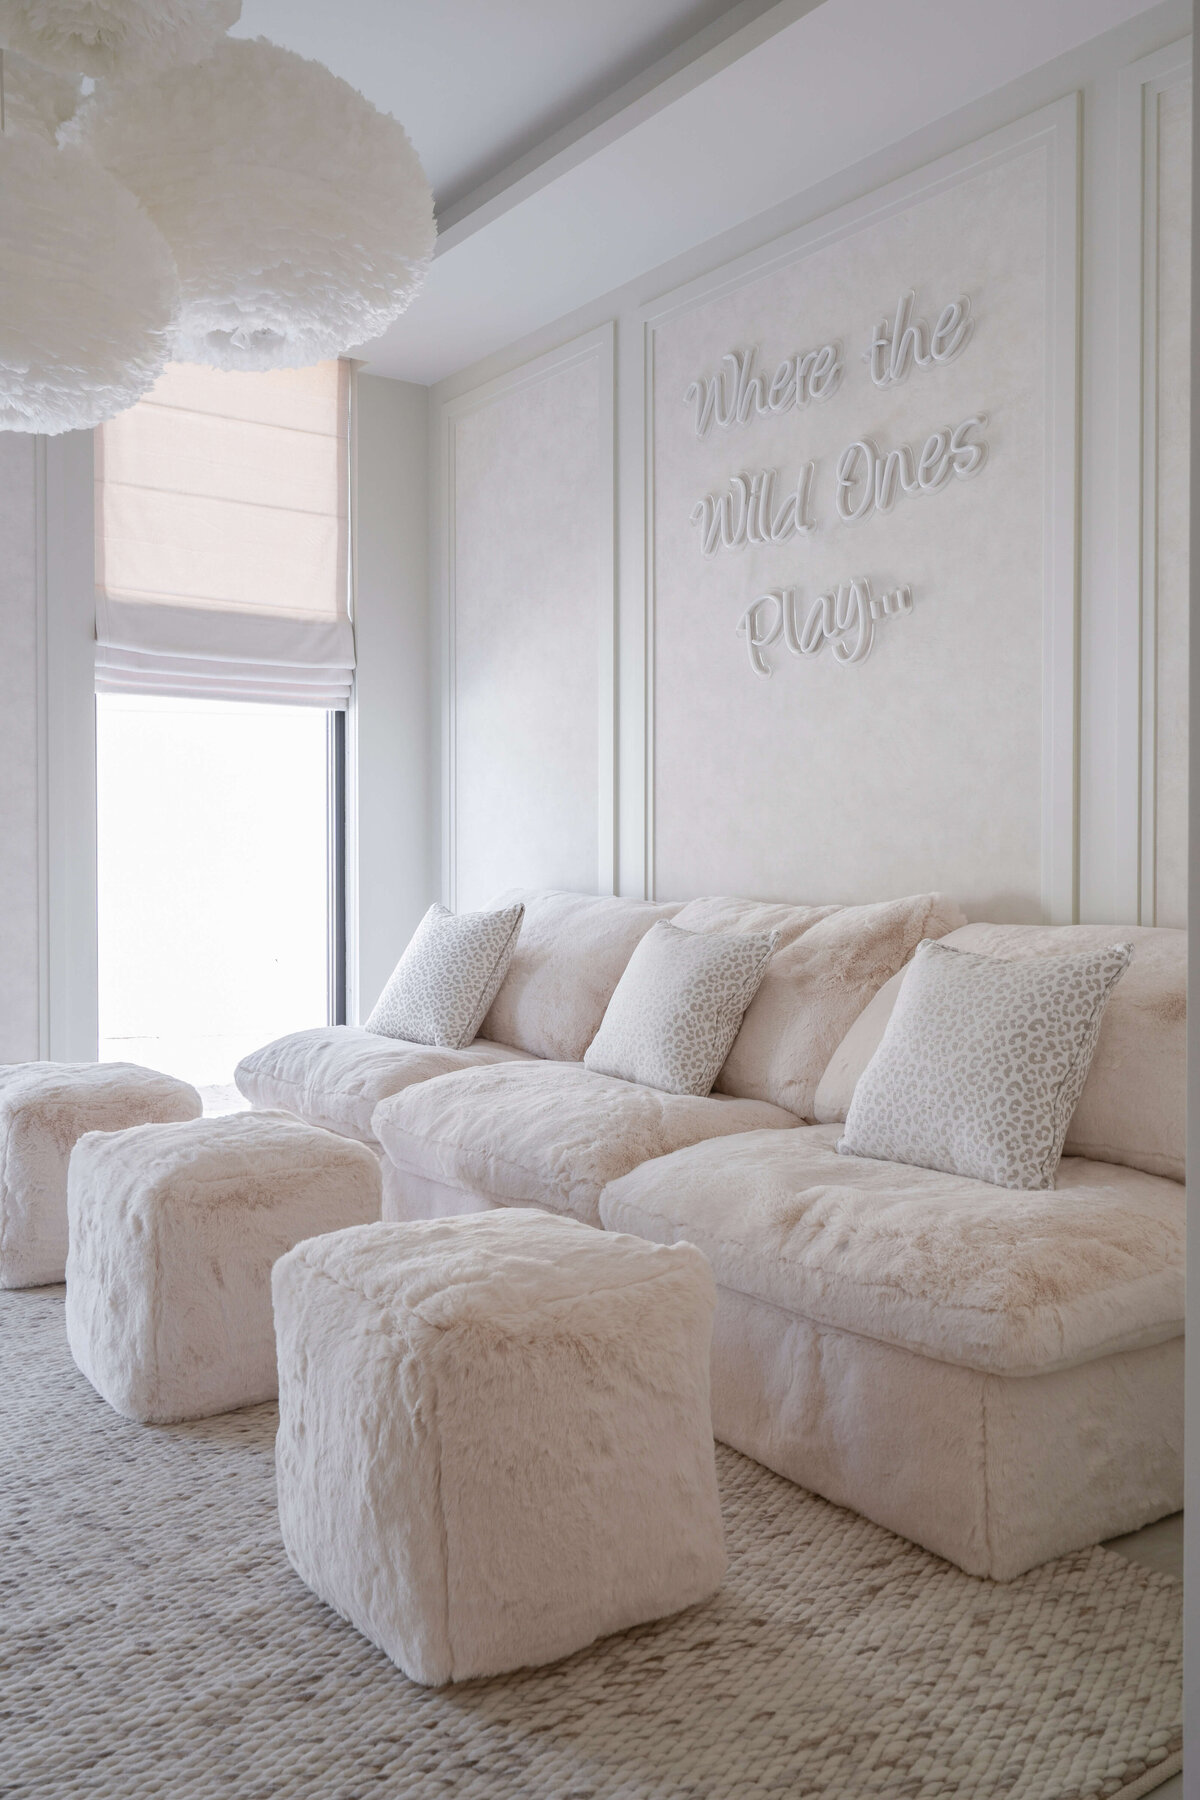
[(531, 581), (850, 698), (19, 775)]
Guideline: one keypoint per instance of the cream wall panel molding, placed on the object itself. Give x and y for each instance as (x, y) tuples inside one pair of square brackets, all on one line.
[(1151, 703), (889, 521), (527, 496)]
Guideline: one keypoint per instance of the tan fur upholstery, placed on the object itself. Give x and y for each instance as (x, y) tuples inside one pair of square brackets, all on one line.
[(548, 1134), (45, 1108), (995, 1375), (174, 1229), (336, 1075), (829, 963), (570, 955), (494, 1438), (407, 1196), (1132, 1109), (997, 1473), (992, 1279)]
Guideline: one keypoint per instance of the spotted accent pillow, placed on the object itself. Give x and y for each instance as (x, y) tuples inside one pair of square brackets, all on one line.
[(982, 1062), (678, 1007), (448, 977)]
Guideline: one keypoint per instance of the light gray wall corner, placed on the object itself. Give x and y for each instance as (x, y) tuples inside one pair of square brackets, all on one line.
[(70, 749), (1191, 1592), (525, 559), (390, 856), (22, 634), (438, 663)]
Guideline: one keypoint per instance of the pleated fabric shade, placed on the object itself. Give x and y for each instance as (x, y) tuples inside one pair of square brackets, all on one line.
[(222, 564)]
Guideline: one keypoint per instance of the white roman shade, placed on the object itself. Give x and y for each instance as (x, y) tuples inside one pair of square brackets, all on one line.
[(222, 563)]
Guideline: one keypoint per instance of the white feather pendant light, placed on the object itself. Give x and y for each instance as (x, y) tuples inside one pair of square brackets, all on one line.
[(35, 99), (115, 39), (299, 216), (88, 292)]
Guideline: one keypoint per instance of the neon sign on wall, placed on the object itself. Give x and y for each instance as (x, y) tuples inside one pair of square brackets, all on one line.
[(755, 508)]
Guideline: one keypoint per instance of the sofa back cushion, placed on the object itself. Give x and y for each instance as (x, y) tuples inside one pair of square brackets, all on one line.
[(1133, 1106), (570, 955), (830, 960)]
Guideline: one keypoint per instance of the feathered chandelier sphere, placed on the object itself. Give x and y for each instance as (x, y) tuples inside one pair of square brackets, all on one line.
[(214, 200), (36, 99), (115, 40), (299, 216), (88, 291)]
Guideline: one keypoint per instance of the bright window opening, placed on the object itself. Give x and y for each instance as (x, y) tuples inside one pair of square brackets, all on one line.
[(216, 903)]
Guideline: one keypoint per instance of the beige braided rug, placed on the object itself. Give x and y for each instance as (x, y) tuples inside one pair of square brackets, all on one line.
[(154, 1642)]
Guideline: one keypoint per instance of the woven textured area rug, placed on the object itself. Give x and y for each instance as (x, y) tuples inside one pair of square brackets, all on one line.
[(154, 1642)]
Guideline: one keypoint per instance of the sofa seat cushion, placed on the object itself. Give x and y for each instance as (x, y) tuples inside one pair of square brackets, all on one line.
[(549, 1134), (336, 1075), (951, 1268)]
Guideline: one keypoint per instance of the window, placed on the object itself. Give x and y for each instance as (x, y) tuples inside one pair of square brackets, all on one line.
[(221, 538), (219, 881), (224, 658)]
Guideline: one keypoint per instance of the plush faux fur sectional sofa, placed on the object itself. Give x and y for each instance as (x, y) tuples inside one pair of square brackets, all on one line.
[(995, 1374)]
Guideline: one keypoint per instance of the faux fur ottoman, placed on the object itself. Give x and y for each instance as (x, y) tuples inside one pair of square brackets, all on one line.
[(44, 1108), (494, 1436), (174, 1229)]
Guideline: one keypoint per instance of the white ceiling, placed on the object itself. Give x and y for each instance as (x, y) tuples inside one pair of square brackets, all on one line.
[(540, 215), (476, 83)]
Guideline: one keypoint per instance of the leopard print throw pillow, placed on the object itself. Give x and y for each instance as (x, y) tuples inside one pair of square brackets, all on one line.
[(678, 1007), (448, 977), (982, 1062)]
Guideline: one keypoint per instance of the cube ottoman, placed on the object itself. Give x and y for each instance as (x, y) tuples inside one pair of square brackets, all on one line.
[(174, 1229), (44, 1108), (494, 1440)]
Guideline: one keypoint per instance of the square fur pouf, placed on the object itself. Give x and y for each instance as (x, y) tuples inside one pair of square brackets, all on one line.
[(494, 1440), (174, 1229), (45, 1107)]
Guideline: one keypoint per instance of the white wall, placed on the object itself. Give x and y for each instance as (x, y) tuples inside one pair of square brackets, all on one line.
[(70, 954), (47, 749), (21, 884), (526, 485), (390, 846), (1167, 117), (926, 763), (1191, 1556), (1000, 741)]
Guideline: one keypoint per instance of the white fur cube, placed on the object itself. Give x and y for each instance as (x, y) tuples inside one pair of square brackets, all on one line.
[(45, 1108), (174, 1229), (495, 1442)]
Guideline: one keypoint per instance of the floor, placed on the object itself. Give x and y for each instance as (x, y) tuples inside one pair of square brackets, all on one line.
[(223, 1670), (1158, 1547)]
